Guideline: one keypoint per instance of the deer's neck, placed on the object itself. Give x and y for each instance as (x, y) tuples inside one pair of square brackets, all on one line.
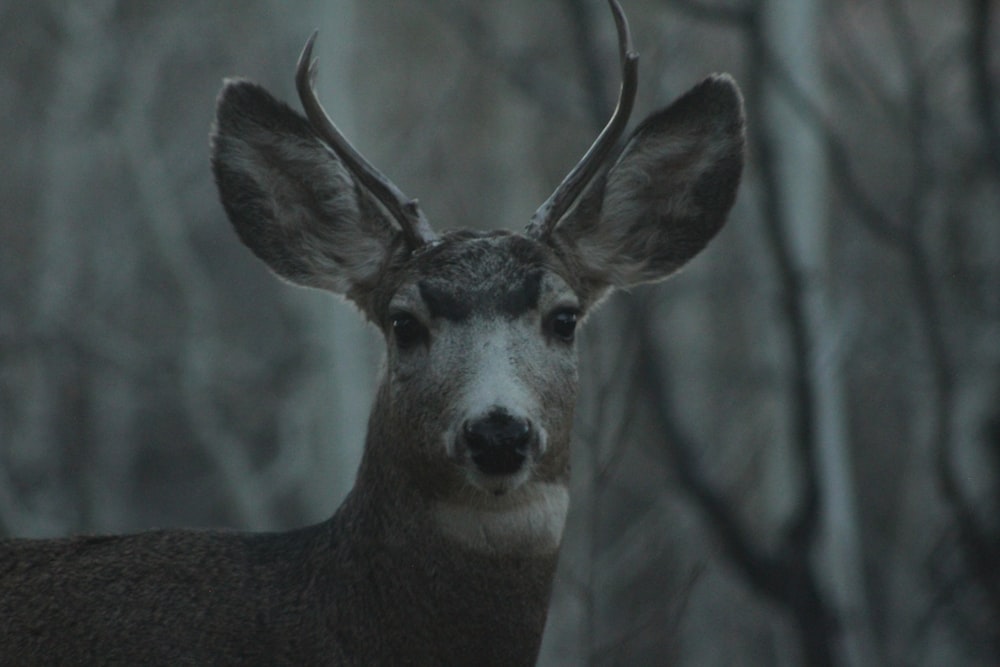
[(449, 581), (431, 601), (414, 594)]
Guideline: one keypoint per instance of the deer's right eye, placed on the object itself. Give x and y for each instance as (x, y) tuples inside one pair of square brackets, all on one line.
[(407, 330), (562, 324)]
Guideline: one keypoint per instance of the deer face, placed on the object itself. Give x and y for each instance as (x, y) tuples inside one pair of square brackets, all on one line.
[(480, 333)]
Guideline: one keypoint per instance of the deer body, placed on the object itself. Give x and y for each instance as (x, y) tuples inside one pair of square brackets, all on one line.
[(334, 593), (445, 550)]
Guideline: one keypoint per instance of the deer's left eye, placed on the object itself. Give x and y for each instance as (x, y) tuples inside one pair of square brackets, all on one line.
[(407, 330), (561, 324)]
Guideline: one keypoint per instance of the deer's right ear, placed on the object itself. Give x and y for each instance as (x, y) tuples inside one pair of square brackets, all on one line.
[(290, 198)]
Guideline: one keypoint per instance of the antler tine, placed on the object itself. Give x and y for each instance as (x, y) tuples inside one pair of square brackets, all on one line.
[(544, 221), (416, 230)]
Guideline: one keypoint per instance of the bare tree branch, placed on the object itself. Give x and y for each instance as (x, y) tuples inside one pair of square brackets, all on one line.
[(981, 22), (159, 204), (973, 536), (800, 530), (714, 12), (549, 93), (584, 39)]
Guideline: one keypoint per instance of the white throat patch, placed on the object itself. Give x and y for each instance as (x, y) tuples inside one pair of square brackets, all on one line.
[(529, 521)]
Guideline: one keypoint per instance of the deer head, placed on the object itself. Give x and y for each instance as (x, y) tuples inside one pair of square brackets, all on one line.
[(475, 408)]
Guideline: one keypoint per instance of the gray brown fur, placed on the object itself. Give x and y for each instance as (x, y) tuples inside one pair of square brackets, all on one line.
[(328, 594), (429, 560)]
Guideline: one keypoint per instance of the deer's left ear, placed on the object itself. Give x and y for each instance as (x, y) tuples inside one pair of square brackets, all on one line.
[(667, 195)]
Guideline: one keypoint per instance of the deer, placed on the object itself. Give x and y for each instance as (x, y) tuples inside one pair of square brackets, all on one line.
[(444, 552)]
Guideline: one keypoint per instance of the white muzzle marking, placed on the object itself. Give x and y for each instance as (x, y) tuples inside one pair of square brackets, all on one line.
[(527, 521)]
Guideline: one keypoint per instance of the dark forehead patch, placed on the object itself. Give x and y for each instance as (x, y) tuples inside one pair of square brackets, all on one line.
[(519, 299), (495, 274), (457, 303), (442, 302)]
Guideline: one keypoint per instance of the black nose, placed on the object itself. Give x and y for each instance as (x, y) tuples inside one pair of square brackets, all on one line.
[(498, 443)]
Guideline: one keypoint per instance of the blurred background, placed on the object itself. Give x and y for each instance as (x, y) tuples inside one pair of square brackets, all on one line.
[(788, 454)]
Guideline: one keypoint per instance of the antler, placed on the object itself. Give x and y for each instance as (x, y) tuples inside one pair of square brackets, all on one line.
[(416, 230), (544, 221)]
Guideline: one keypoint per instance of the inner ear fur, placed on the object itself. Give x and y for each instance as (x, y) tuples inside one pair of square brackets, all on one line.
[(667, 195), (289, 198)]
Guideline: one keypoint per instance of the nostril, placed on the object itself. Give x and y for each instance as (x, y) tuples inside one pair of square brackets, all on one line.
[(498, 443)]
